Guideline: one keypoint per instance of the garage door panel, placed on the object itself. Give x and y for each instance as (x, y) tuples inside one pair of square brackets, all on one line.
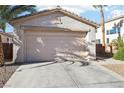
[(55, 33), (44, 46), (43, 41)]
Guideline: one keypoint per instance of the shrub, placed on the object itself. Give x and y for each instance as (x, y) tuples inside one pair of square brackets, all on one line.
[(118, 43), (120, 54)]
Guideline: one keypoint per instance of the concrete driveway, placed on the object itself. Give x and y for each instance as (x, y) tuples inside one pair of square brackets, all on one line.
[(63, 75)]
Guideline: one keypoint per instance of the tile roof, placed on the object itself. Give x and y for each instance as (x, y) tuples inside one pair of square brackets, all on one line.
[(115, 18), (6, 34), (59, 9)]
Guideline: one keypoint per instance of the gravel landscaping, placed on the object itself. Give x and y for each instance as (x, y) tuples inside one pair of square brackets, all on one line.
[(6, 72), (118, 68)]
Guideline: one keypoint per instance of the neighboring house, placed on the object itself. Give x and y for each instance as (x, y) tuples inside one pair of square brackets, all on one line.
[(113, 28), (10, 44), (5, 37), (6, 50), (55, 33)]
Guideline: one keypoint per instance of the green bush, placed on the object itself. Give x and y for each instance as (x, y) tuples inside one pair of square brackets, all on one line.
[(118, 43), (120, 54)]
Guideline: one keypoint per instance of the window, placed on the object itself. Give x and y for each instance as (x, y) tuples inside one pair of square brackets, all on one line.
[(107, 40), (112, 31), (98, 41), (107, 32)]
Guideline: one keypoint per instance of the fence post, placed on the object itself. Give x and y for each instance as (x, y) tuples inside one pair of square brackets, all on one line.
[(1, 53)]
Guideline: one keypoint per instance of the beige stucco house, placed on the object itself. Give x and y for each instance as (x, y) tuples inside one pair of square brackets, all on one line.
[(53, 34), (5, 37), (9, 45)]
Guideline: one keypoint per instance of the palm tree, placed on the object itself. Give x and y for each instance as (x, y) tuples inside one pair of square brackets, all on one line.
[(101, 10), (7, 13)]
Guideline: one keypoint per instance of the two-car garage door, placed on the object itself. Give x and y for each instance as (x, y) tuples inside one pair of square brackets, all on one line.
[(46, 45)]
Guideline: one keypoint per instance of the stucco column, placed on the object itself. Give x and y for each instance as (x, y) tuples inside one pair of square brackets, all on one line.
[(91, 38), (19, 49)]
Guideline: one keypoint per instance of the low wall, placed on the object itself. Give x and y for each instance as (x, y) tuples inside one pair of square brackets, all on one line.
[(16, 46)]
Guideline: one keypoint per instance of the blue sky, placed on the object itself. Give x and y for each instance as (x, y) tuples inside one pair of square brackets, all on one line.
[(88, 12)]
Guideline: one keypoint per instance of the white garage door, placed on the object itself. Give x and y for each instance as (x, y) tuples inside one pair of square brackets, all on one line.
[(47, 45)]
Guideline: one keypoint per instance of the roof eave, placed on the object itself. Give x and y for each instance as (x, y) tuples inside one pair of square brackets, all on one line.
[(91, 23)]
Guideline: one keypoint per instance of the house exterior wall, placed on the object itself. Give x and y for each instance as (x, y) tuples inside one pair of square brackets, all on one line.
[(53, 20), (108, 26), (6, 39), (19, 49), (13, 40), (91, 38)]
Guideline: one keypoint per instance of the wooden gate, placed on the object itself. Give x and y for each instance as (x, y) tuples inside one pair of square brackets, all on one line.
[(100, 50), (8, 51)]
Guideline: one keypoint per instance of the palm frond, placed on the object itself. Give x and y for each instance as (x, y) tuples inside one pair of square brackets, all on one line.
[(8, 12)]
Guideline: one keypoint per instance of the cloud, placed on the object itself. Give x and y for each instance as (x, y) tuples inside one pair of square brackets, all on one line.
[(117, 12), (79, 9), (75, 9)]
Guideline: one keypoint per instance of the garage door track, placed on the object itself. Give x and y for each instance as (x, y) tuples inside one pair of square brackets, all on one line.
[(63, 75)]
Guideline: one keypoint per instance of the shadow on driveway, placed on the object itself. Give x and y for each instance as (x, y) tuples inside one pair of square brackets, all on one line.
[(83, 63)]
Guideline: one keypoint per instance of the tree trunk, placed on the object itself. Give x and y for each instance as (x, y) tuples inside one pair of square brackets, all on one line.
[(103, 27)]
